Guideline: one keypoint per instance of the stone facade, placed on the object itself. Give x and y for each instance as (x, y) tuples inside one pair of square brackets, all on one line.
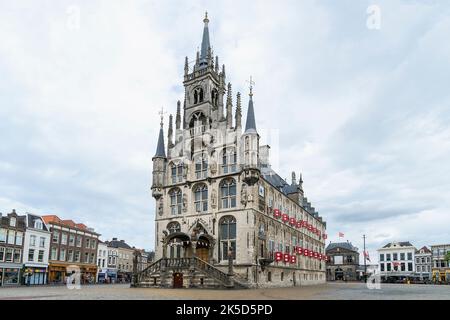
[(217, 197), (343, 262)]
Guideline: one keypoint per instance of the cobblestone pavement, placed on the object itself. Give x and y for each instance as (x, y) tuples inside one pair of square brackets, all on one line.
[(329, 291)]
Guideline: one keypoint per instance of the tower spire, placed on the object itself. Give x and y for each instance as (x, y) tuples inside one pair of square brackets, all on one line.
[(250, 124), (160, 150), (205, 42)]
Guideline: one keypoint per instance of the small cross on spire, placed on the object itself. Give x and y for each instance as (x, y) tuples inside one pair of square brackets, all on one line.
[(161, 114), (251, 83), (206, 17)]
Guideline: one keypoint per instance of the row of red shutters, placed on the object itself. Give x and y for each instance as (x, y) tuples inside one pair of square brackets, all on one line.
[(298, 224), (288, 258)]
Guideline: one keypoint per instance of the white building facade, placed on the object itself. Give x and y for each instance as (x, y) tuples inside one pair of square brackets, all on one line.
[(102, 263), (36, 250), (396, 261), (423, 263), (219, 201)]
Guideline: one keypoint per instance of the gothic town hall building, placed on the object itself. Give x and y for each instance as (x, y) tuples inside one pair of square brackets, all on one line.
[(224, 218)]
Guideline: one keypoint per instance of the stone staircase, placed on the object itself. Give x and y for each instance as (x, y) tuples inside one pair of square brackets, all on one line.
[(196, 274)]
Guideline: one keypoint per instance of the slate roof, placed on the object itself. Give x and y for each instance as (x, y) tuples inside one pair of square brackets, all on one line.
[(342, 245), (425, 250), (250, 124), (205, 43), (114, 243), (160, 150), (275, 180), (401, 244), (32, 218)]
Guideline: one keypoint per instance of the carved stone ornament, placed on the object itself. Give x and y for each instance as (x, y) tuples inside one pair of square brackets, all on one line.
[(185, 202)]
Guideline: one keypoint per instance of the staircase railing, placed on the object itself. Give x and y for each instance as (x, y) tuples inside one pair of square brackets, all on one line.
[(186, 263), (212, 271), (154, 267)]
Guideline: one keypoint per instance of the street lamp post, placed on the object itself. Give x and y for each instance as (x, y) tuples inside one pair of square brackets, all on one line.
[(364, 254)]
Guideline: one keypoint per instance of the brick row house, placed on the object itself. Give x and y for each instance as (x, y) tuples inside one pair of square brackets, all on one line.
[(73, 247), (12, 231)]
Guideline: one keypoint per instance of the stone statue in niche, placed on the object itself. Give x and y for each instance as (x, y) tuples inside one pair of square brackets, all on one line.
[(185, 171), (244, 195), (213, 198), (213, 166), (160, 207), (184, 202)]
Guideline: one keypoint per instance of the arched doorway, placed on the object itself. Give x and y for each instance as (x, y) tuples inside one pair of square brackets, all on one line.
[(177, 245), (177, 280), (338, 274), (203, 248)]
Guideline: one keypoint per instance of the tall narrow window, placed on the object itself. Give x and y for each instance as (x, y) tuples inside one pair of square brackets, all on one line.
[(201, 198), (228, 193), (175, 201), (201, 167), (227, 234), (229, 160), (177, 173)]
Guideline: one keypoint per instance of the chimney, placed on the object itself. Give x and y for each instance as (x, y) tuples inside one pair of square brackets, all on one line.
[(122, 240), (114, 239)]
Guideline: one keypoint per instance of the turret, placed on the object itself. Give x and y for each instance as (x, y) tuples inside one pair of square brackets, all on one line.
[(159, 165), (250, 143)]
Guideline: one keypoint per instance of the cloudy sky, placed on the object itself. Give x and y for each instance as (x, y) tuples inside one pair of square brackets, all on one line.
[(360, 105)]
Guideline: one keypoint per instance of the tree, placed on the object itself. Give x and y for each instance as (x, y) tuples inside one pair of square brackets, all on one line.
[(447, 257)]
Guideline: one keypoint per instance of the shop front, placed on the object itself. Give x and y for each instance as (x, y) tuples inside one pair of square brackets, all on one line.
[(34, 275), (111, 276), (88, 274), (56, 274), (10, 275)]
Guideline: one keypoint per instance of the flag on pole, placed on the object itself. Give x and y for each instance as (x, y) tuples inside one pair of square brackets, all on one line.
[(366, 254), (341, 235)]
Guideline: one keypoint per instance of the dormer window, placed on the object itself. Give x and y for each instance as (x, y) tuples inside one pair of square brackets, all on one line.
[(38, 224), (12, 222)]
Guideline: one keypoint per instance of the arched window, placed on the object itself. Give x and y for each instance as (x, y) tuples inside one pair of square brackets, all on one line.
[(176, 172), (228, 193), (201, 198), (198, 95), (227, 236), (175, 201), (229, 160), (173, 227), (201, 167)]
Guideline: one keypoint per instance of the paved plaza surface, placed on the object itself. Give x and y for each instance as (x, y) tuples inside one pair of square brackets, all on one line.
[(329, 291)]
